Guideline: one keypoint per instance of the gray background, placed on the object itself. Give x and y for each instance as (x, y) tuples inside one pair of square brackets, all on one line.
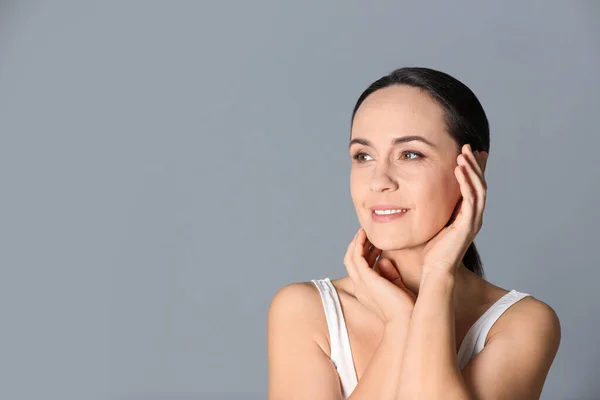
[(166, 166)]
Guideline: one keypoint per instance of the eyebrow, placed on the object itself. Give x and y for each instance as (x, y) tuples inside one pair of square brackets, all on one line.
[(395, 141)]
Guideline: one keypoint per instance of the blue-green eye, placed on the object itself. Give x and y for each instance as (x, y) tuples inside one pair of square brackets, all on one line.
[(360, 160)]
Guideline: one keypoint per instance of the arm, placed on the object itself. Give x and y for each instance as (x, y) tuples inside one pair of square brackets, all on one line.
[(382, 376), (513, 364), (430, 365), (300, 369), (297, 366), (516, 360)]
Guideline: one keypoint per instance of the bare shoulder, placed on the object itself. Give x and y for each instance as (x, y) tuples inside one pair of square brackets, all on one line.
[(519, 351), (298, 366), (529, 319), (296, 294), (300, 305)]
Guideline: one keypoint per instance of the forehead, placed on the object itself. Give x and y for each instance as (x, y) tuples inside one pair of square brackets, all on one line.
[(399, 110)]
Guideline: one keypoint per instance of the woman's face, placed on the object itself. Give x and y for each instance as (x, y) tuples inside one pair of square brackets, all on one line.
[(412, 174)]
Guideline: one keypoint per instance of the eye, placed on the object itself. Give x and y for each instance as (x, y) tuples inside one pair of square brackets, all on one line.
[(411, 152), (360, 160), (358, 156)]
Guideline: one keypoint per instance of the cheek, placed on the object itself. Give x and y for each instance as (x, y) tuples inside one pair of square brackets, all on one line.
[(356, 192), (436, 203), (359, 185)]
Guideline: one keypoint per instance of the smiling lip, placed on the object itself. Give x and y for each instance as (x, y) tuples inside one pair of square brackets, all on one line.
[(387, 207), (387, 217)]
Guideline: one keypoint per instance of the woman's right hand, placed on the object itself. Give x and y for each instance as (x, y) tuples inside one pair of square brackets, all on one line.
[(383, 291)]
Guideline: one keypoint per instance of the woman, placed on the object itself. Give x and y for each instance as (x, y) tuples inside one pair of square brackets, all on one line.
[(415, 318)]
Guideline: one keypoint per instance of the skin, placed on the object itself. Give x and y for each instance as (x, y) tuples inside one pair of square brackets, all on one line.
[(415, 176), (406, 347), (412, 175)]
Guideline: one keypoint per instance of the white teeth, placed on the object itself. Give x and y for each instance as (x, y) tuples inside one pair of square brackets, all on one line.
[(383, 212)]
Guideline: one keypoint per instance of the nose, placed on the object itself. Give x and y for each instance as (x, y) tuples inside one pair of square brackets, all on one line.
[(383, 178)]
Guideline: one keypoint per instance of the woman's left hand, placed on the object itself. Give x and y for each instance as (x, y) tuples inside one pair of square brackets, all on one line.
[(445, 251)]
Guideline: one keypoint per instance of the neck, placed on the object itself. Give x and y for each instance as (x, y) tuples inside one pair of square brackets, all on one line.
[(409, 264)]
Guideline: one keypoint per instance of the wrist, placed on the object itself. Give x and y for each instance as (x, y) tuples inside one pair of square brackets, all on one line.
[(437, 282), (437, 274), (400, 321)]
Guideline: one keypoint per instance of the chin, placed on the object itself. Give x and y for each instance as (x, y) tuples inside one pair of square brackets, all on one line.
[(387, 241)]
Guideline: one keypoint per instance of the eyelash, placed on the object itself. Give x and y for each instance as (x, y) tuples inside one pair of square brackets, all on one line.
[(356, 156)]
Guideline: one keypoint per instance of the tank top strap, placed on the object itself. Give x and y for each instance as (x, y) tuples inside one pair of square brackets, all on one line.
[(476, 336), (341, 354), (494, 312)]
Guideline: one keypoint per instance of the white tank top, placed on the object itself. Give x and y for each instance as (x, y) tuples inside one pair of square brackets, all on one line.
[(341, 355)]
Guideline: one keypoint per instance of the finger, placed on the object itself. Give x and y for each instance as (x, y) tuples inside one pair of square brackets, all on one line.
[(349, 263), (477, 183), (471, 158), (467, 208), (367, 247), (362, 268), (356, 252), (376, 265), (474, 171), (373, 254), (370, 252), (349, 266), (355, 259), (367, 244), (473, 208)]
